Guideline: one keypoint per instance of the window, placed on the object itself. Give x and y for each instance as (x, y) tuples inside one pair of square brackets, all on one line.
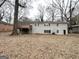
[(57, 31), (47, 31), (57, 24), (36, 24), (47, 24)]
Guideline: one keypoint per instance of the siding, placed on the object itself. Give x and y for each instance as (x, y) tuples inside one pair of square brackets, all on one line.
[(53, 27)]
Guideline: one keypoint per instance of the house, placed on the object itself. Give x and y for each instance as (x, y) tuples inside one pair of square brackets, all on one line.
[(46, 27), (50, 27), (75, 20), (75, 28), (5, 27)]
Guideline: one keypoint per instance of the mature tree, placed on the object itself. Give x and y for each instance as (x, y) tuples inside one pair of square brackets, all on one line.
[(15, 18), (1, 10), (16, 11), (16, 5), (51, 12), (71, 10), (1, 13), (15, 27), (8, 12), (2, 2), (41, 10), (66, 8), (8, 17), (58, 4)]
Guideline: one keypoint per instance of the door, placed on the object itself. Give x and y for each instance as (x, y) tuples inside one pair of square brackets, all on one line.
[(64, 31)]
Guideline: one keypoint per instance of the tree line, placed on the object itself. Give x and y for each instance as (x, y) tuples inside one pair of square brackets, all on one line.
[(61, 8)]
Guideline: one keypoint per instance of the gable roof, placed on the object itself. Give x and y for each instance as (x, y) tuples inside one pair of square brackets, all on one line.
[(51, 22), (39, 22)]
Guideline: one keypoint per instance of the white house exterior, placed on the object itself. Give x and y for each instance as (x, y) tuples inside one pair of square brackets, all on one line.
[(50, 28)]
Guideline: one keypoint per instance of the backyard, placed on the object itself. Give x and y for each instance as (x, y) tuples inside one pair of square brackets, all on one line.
[(33, 46)]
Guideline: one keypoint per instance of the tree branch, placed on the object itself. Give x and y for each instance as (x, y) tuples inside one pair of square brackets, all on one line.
[(21, 5), (10, 3), (2, 3)]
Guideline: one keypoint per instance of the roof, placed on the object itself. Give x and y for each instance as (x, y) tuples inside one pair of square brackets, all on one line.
[(52, 22), (28, 26), (33, 22), (75, 25)]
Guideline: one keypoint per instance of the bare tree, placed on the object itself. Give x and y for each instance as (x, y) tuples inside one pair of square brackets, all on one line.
[(71, 9), (16, 5), (41, 10), (51, 12), (3, 1), (58, 4), (1, 13), (7, 9), (66, 8), (16, 11), (15, 27)]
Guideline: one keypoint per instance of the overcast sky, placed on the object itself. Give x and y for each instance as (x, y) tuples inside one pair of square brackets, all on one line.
[(33, 12), (35, 5)]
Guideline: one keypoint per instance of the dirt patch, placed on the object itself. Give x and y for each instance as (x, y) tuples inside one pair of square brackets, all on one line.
[(39, 46)]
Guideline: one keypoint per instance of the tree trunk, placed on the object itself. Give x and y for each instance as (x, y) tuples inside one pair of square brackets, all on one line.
[(15, 26), (42, 18), (53, 16), (70, 12), (70, 21), (61, 11), (2, 3)]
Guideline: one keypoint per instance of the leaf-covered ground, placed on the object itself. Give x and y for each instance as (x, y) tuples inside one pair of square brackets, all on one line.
[(39, 46)]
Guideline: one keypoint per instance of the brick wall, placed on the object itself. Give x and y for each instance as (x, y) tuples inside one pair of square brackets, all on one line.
[(6, 27)]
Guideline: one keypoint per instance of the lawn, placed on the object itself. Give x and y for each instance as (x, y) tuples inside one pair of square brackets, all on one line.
[(33, 46)]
